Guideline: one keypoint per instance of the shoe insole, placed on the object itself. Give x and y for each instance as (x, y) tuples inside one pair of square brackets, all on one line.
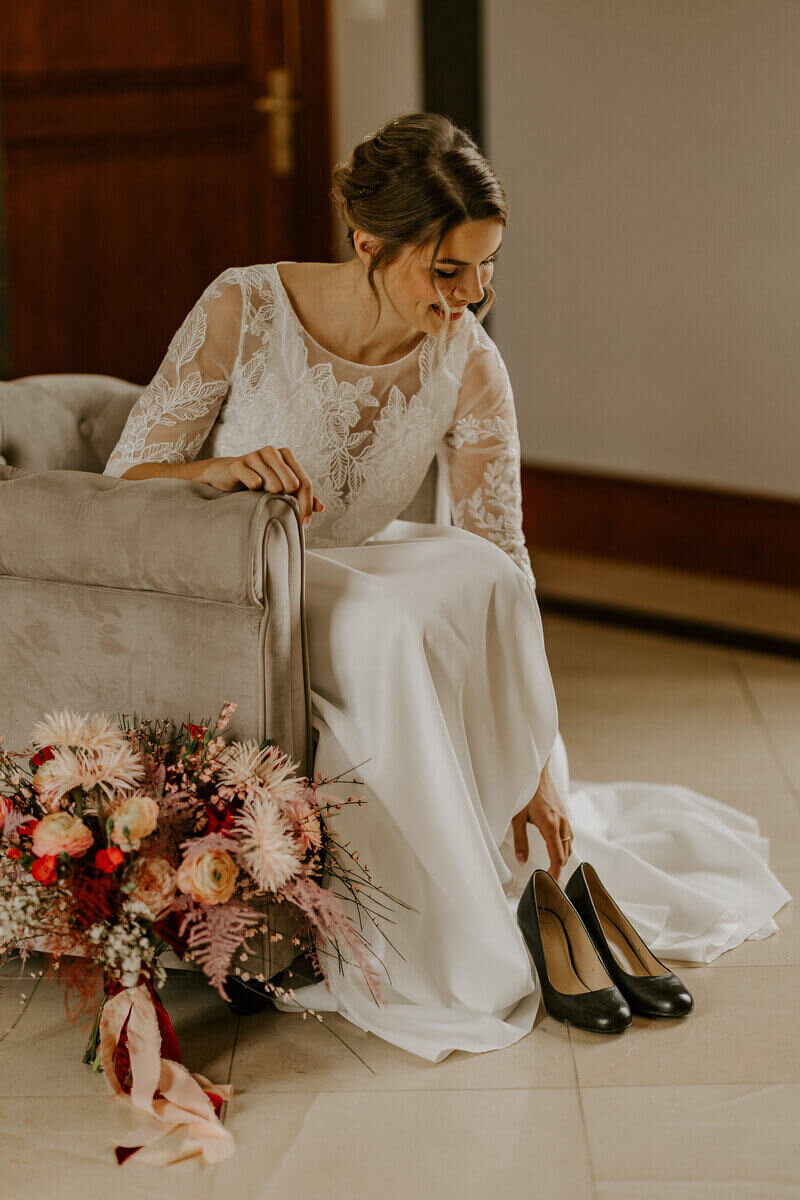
[(557, 955), (622, 950)]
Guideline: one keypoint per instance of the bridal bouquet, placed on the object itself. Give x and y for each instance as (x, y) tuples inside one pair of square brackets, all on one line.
[(118, 840)]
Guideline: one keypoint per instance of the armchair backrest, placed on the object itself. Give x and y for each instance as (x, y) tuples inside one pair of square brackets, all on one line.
[(63, 422), (72, 422)]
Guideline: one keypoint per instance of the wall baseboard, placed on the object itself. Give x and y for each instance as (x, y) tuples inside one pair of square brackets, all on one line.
[(687, 604), (715, 533)]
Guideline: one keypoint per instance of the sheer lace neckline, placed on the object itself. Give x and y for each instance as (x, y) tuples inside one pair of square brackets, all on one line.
[(324, 349)]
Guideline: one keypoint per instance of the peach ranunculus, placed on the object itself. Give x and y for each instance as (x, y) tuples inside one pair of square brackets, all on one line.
[(134, 817), (154, 883), (209, 877), (61, 831)]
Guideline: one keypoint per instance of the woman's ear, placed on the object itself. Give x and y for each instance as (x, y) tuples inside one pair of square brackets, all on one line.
[(365, 246)]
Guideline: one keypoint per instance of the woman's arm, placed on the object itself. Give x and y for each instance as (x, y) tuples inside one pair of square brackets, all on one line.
[(483, 455), (171, 419), (190, 470)]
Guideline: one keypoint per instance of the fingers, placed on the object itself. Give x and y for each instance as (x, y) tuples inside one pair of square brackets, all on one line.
[(277, 470), (274, 459), (566, 839), (246, 475), (554, 827), (557, 851), (305, 494), (519, 826), (267, 474)]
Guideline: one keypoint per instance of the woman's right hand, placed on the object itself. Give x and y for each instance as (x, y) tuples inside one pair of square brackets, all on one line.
[(270, 469)]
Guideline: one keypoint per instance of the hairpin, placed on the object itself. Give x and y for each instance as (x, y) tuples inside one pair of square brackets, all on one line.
[(367, 189)]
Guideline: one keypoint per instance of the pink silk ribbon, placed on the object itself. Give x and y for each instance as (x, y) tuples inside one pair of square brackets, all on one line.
[(175, 1101)]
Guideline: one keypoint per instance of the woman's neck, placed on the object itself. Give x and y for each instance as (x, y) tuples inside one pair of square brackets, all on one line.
[(335, 304)]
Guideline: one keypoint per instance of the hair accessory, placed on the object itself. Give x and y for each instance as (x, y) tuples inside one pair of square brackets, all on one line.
[(368, 189)]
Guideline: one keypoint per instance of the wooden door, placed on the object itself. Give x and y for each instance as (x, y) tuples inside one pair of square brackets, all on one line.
[(142, 159)]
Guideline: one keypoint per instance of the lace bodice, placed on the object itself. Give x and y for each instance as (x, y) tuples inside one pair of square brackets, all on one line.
[(242, 372)]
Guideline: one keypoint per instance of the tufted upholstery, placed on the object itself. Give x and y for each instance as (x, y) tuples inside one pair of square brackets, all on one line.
[(63, 422)]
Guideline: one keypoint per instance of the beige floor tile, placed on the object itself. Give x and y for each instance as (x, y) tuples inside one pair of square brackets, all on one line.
[(593, 648), (50, 1150), (743, 1030), (282, 1052), (279, 1052), (696, 730), (695, 1134), (778, 814), (399, 1145), (204, 1026), (775, 686), (15, 996), (781, 949)]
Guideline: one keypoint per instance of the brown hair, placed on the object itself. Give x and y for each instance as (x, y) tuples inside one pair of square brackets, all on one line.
[(411, 183)]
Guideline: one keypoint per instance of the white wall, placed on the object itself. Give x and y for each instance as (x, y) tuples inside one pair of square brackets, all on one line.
[(376, 69), (649, 291)]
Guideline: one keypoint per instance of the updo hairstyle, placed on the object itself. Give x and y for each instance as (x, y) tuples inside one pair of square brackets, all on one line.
[(411, 183)]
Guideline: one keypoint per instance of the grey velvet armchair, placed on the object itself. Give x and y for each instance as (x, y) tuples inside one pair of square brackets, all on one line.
[(160, 597)]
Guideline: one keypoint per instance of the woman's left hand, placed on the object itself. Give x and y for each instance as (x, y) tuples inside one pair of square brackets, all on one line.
[(546, 811)]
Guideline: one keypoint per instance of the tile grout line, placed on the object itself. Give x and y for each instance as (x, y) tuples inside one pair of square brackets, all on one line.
[(761, 720), (584, 1127), (528, 1091), (24, 1008)]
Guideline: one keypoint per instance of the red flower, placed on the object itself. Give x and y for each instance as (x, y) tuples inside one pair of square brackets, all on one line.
[(28, 827), (44, 869), (14, 852), (43, 755), (195, 731), (217, 822), (108, 860)]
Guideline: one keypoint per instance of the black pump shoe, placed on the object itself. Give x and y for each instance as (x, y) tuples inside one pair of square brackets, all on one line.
[(576, 988), (650, 988), (248, 998)]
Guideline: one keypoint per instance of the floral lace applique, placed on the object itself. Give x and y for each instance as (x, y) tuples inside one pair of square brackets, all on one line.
[(483, 455), (237, 376)]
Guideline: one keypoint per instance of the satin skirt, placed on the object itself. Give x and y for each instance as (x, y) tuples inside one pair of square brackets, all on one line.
[(430, 686)]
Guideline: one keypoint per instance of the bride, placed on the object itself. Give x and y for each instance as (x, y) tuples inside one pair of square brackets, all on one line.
[(340, 383)]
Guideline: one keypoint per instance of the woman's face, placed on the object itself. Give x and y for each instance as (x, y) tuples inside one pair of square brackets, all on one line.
[(463, 267)]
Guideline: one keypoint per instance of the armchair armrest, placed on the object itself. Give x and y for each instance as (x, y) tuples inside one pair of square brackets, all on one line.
[(176, 536), (228, 565)]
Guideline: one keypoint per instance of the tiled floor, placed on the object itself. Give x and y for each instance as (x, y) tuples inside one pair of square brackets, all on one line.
[(703, 1107)]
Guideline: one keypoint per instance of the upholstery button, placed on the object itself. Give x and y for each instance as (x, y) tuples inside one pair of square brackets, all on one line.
[(84, 427)]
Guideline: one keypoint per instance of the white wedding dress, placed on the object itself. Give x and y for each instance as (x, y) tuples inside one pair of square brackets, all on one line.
[(428, 668)]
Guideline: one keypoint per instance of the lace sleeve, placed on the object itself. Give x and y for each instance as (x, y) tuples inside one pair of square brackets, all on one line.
[(482, 455), (171, 419)]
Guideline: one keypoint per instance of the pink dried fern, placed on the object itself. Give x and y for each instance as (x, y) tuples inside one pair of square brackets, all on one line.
[(213, 935), (323, 911)]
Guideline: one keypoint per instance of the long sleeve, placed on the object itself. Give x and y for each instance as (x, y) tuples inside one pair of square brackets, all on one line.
[(171, 419), (482, 455)]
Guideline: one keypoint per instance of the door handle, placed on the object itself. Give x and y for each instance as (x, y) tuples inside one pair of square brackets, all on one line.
[(281, 106)]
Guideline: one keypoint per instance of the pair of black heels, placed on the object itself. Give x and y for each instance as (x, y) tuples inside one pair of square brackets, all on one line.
[(594, 969)]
